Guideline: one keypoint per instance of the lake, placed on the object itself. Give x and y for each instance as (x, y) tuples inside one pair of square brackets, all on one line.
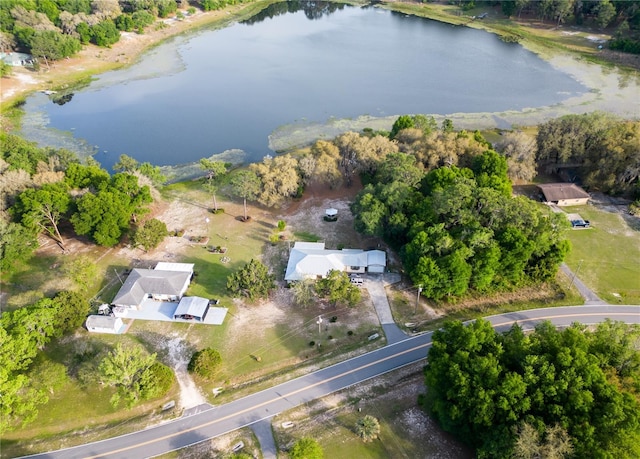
[(216, 90)]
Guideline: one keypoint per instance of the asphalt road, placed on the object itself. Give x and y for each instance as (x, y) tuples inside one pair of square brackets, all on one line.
[(186, 431)]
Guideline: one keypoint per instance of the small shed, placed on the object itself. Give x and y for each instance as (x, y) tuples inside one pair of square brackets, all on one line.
[(564, 194), (192, 308), (105, 324)]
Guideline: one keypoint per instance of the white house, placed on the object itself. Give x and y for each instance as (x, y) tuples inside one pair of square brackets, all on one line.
[(312, 260), (105, 324)]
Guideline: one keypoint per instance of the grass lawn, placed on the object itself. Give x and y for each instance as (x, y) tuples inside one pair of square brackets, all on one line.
[(606, 257)]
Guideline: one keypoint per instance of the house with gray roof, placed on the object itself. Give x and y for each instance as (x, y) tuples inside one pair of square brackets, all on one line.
[(564, 194), (312, 260), (157, 284)]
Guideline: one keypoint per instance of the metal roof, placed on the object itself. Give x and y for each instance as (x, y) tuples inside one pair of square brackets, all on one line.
[(193, 306), (182, 267), (310, 259), (101, 321)]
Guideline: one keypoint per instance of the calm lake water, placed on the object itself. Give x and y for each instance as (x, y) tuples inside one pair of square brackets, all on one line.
[(216, 90)]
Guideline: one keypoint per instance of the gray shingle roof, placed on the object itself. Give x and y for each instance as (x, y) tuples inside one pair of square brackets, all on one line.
[(150, 281)]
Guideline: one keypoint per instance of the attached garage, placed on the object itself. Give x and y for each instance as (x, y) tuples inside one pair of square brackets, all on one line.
[(376, 261)]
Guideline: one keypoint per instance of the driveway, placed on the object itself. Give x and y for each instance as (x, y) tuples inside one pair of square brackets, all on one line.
[(375, 285)]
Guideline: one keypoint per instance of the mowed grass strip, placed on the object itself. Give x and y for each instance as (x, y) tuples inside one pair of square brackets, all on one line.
[(606, 257)]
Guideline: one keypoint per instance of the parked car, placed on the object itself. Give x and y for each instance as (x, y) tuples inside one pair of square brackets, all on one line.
[(580, 223)]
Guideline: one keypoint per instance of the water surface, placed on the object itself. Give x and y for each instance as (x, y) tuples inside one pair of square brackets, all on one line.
[(217, 90)]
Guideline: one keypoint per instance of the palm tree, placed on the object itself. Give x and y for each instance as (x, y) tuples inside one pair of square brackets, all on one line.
[(368, 428)]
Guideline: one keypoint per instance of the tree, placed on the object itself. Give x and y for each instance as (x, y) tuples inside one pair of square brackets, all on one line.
[(150, 234), (16, 246), (402, 122), (105, 33), (337, 288), (215, 170), (44, 208), (252, 281), (304, 292), (107, 214), (520, 151), (126, 164), (245, 184), (279, 178), (306, 448), (368, 428), (205, 363), (606, 12), (127, 369), (82, 271), (507, 394), (71, 310), (52, 45)]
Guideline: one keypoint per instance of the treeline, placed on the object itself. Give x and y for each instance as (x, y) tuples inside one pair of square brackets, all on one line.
[(44, 190), (599, 149), (599, 13), (550, 393), (623, 16), (54, 29)]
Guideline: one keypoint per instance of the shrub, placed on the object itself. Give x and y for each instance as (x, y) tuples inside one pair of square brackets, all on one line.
[(205, 363)]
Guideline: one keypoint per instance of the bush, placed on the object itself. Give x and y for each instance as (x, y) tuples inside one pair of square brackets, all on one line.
[(162, 377), (205, 363)]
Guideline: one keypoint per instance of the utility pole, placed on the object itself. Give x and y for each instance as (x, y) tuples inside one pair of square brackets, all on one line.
[(575, 274), (319, 322), (415, 311)]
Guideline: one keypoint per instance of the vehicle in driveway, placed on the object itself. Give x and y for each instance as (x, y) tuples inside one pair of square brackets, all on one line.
[(580, 223)]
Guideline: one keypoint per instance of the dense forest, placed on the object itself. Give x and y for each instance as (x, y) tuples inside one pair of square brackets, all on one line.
[(551, 393)]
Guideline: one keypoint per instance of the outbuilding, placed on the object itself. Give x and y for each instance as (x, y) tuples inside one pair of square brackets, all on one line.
[(98, 323), (192, 308), (564, 194)]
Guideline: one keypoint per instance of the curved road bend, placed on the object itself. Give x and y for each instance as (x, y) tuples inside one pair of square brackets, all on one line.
[(267, 403)]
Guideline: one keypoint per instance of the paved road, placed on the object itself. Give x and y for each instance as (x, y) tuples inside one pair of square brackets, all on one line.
[(265, 404)]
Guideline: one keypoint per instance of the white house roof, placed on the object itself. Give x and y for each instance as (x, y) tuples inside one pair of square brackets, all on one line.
[(104, 322), (331, 212), (310, 259), (182, 267), (376, 257), (192, 305), (141, 282)]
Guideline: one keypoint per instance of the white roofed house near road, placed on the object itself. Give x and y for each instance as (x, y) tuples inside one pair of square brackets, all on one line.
[(312, 260)]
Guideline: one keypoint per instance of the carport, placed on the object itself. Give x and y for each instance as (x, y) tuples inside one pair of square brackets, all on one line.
[(192, 308)]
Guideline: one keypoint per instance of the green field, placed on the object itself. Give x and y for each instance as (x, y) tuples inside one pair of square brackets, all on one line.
[(606, 257)]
